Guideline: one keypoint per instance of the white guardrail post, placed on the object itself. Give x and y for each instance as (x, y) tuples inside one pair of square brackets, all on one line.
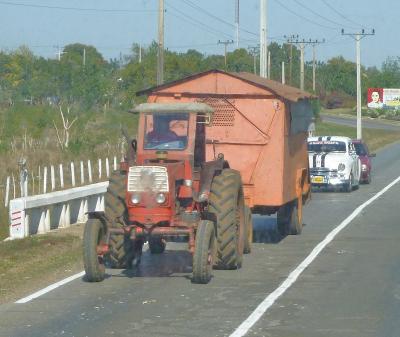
[(41, 213)]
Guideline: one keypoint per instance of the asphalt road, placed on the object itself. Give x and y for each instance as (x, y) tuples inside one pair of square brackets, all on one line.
[(351, 289), (369, 124)]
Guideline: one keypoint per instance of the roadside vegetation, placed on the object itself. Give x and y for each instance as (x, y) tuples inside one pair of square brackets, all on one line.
[(30, 264), (374, 138)]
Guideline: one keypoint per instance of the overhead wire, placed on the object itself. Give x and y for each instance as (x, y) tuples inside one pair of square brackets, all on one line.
[(319, 15), (303, 17), (196, 22), (107, 10), (340, 14), (197, 7)]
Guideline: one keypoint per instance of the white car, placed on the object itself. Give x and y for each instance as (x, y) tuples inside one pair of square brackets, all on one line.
[(333, 162)]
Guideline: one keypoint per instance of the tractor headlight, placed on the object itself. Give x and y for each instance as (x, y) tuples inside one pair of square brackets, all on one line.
[(341, 167), (160, 198), (135, 198)]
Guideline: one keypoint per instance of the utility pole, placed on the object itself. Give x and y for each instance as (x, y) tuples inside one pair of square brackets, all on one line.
[(225, 43), (357, 37), (59, 52), (314, 66), (160, 54), (269, 65), (302, 43), (290, 40), (302, 46), (263, 38), (140, 53), (84, 57), (254, 51), (237, 22), (283, 72)]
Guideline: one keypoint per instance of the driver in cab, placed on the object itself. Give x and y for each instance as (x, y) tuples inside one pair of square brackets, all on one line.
[(161, 132)]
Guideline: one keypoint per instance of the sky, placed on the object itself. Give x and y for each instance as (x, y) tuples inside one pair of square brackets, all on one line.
[(112, 26)]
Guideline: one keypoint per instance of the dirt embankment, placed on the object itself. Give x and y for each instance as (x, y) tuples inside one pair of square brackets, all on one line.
[(30, 264)]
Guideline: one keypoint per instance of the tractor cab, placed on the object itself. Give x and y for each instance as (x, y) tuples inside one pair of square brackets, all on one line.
[(164, 181), (172, 132)]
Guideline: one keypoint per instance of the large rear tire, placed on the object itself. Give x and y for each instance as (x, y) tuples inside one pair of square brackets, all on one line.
[(94, 237), (121, 246), (226, 202), (248, 239), (204, 253)]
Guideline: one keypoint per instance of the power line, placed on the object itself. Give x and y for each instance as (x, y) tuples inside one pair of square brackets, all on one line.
[(108, 10), (195, 6), (303, 17), (319, 15), (194, 21), (340, 14)]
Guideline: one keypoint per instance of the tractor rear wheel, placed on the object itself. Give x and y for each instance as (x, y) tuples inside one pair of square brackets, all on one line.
[(204, 252), (226, 202), (94, 237), (121, 247), (248, 239), (156, 245)]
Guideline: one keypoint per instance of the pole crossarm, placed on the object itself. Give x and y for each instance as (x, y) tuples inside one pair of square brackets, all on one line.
[(358, 36)]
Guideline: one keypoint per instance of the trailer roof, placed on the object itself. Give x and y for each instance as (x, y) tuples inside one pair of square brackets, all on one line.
[(279, 89), (173, 108)]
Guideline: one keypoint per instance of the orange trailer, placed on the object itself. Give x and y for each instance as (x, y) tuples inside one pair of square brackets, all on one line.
[(260, 126)]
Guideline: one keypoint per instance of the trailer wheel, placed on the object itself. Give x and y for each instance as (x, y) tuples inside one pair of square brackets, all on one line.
[(288, 219), (295, 223), (121, 247), (94, 237), (226, 202), (156, 245), (204, 253), (282, 219), (248, 240)]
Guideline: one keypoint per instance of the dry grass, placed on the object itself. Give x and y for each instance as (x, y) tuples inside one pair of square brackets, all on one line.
[(29, 264), (375, 138)]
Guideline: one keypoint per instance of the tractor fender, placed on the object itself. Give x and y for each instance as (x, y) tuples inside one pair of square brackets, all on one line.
[(208, 171)]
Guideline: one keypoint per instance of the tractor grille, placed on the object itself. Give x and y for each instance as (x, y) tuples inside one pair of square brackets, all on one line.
[(148, 178)]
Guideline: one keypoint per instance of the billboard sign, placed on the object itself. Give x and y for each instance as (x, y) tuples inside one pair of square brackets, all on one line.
[(379, 98)]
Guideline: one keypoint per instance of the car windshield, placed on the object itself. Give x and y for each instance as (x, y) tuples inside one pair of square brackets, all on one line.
[(326, 146), (360, 149), (166, 131)]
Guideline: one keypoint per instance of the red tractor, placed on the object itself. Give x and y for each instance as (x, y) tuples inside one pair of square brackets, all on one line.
[(166, 189)]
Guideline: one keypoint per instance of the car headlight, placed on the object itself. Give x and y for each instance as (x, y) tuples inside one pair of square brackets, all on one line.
[(363, 167), (341, 167), (135, 198), (160, 198)]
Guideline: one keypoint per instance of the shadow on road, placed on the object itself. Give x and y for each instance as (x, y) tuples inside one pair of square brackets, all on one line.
[(264, 230), (176, 261), (169, 263)]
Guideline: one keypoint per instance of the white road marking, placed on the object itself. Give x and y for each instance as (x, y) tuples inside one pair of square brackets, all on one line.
[(261, 309), (60, 283), (50, 288)]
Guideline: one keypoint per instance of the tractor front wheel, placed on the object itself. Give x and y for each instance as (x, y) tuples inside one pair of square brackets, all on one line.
[(204, 253), (93, 242)]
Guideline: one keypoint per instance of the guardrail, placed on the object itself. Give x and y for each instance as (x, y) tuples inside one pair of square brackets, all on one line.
[(50, 178), (42, 213)]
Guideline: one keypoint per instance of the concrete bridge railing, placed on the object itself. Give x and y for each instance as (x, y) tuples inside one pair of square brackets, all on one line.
[(44, 212)]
